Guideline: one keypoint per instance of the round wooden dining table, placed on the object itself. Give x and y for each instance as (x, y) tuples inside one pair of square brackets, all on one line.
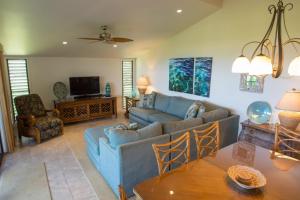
[(207, 178)]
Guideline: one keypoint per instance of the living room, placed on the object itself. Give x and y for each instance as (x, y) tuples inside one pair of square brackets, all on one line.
[(186, 57)]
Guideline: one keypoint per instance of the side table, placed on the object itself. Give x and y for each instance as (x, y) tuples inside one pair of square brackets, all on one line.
[(130, 102), (259, 134)]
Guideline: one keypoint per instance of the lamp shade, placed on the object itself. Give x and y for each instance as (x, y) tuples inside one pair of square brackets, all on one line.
[(241, 65), (290, 101), (261, 65), (143, 82), (294, 68)]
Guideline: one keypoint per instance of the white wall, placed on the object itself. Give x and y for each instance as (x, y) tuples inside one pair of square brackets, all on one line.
[(45, 71), (222, 36)]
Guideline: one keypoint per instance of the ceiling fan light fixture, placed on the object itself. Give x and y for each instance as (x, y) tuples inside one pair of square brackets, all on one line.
[(261, 65), (179, 11), (115, 46), (241, 65), (294, 68), (64, 42)]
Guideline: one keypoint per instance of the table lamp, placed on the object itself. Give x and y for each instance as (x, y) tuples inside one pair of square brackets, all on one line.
[(142, 85), (289, 117)]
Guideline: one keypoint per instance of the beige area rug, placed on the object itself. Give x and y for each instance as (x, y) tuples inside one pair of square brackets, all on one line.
[(46, 171), (66, 177)]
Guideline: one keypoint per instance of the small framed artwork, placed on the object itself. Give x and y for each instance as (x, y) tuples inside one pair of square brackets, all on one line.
[(251, 83)]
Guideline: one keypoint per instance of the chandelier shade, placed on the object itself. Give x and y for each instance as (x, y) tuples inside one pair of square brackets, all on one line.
[(261, 65), (294, 69), (272, 43), (241, 65)]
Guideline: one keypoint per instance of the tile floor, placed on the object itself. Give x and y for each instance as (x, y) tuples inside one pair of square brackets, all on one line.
[(23, 176)]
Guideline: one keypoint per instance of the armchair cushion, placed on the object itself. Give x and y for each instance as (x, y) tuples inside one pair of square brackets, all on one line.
[(47, 122), (30, 105)]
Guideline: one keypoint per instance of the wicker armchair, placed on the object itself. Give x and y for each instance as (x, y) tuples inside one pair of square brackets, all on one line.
[(33, 119)]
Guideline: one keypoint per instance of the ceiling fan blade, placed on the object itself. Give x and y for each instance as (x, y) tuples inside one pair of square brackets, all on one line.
[(119, 39), (98, 39)]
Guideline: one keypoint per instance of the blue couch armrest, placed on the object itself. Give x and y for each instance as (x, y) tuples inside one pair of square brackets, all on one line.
[(109, 164), (138, 162)]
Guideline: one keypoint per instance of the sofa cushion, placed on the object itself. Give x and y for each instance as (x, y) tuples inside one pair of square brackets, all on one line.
[(92, 136), (163, 117), (142, 112), (147, 101), (178, 106), (214, 115), (174, 126), (161, 102), (118, 137)]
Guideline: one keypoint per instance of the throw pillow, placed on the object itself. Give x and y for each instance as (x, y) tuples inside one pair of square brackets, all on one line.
[(147, 101), (194, 109), (133, 126), (118, 137), (120, 126)]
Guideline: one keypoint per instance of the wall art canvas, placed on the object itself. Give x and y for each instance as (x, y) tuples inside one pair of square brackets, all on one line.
[(250, 83), (203, 69), (181, 75)]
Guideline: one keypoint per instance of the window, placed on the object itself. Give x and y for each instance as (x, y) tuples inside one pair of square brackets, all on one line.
[(18, 79), (127, 78)]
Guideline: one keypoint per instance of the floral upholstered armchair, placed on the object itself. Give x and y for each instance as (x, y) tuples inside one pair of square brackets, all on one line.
[(33, 119)]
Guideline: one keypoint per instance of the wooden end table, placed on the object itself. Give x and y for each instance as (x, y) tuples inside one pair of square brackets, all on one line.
[(259, 134), (130, 102)]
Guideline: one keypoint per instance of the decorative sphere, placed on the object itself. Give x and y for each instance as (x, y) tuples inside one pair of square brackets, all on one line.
[(259, 112)]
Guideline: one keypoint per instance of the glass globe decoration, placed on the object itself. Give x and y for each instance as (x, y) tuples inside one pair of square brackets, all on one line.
[(259, 112)]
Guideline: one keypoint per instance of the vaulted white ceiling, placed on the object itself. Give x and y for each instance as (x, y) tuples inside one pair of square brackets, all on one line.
[(38, 27)]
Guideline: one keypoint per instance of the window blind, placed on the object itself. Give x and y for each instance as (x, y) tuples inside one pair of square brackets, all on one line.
[(127, 79), (18, 79)]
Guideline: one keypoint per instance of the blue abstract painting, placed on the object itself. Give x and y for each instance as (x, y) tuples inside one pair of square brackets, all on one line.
[(203, 69), (181, 75)]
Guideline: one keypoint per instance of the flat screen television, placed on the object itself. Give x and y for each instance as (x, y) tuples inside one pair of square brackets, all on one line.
[(84, 85)]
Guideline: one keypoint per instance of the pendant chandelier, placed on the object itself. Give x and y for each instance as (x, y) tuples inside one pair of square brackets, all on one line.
[(268, 56)]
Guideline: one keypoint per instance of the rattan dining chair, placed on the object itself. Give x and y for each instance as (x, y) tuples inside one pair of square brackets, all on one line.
[(207, 140), (122, 193), (286, 142), (176, 151)]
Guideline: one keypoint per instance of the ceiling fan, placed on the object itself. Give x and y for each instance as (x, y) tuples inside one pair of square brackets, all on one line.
[(106, 37)]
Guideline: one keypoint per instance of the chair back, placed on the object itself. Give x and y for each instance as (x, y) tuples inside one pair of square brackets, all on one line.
[(30, 105), (176, 151), (122, 193), (286, 142), (207, 140)]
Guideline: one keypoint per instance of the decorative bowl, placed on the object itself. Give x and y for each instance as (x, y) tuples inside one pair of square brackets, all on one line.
[(259, 112), (246, 177)]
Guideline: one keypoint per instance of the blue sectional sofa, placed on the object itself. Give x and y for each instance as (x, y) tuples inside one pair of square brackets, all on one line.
[(134, 162)]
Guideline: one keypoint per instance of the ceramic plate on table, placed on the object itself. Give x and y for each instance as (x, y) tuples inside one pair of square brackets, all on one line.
[(247, 177)]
